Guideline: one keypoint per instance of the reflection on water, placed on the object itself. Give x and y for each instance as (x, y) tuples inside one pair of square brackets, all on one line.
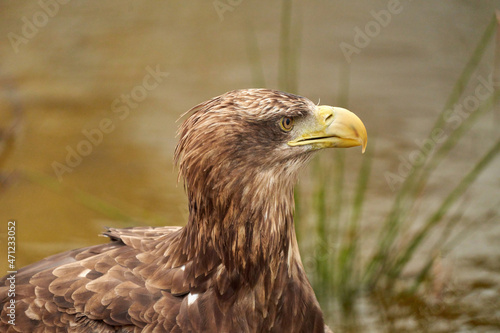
[(88, 63)]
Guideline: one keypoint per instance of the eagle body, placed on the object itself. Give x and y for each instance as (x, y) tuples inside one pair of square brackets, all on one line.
[(234, 267)]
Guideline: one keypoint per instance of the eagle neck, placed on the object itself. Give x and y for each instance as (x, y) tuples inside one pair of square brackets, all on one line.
[(248, 224)]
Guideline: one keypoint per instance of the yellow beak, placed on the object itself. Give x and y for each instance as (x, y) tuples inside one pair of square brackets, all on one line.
[(332, 128)]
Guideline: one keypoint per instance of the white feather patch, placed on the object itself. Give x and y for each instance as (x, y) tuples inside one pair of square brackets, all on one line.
[(289, 259), (192, 298), (84, 272)]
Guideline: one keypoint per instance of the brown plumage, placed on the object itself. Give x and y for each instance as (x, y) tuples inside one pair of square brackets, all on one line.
[(235, 266)]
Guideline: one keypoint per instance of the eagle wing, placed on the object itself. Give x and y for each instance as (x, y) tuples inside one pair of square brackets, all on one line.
[(105, 286)]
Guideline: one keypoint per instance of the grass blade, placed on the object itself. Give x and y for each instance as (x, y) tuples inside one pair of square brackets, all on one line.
[(404, 198), (456, 193)]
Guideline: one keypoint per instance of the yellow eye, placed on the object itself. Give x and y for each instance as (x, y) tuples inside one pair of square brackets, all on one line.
[(286, 124)]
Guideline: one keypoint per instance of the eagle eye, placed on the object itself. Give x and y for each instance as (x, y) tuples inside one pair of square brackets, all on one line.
[(286, 124)]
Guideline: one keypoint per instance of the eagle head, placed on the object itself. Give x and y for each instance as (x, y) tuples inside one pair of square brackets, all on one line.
[(249, 132)]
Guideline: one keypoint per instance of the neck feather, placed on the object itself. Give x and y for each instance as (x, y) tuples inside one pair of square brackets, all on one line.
[(247, 221)]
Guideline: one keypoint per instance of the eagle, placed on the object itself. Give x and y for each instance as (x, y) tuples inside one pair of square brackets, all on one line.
[(234, 267)]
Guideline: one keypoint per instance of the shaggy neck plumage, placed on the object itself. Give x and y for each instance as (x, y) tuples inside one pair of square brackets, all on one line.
[(246, 218)]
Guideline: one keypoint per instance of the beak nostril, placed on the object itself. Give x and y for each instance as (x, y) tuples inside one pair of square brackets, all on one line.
[(329, 118)]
